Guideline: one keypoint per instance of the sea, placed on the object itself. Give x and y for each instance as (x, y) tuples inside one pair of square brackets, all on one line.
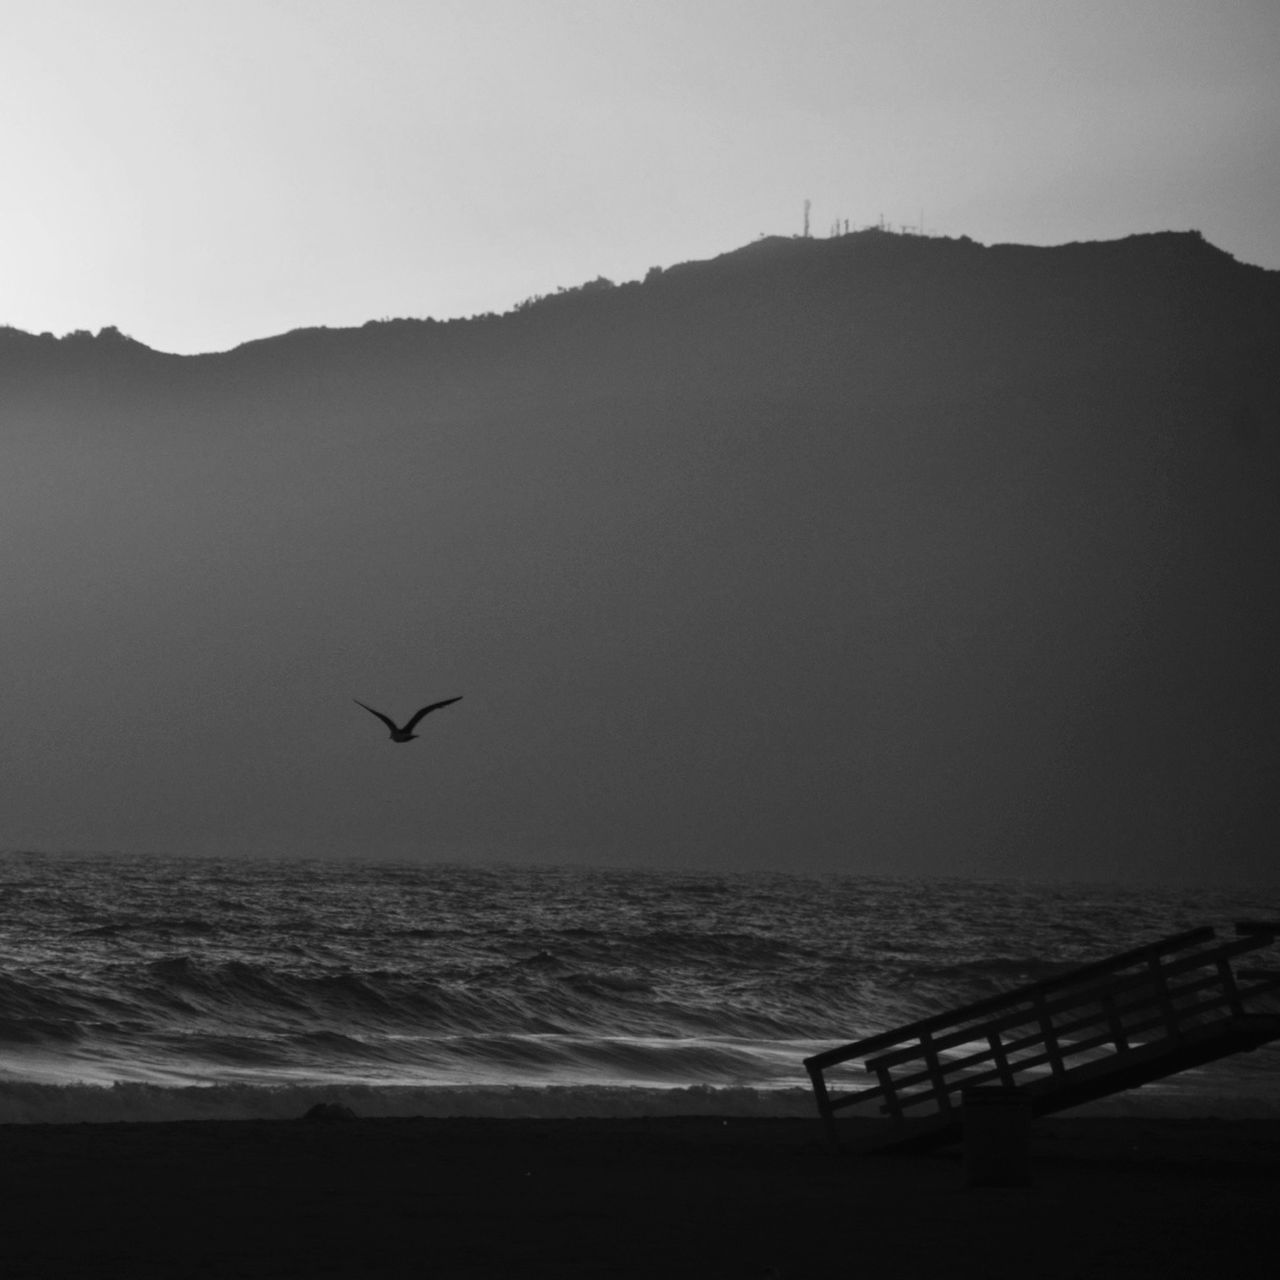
[(159, 988)]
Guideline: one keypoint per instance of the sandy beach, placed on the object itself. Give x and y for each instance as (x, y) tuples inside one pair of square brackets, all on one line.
[(642, 1197)]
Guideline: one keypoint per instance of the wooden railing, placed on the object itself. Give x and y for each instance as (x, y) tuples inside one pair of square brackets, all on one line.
[(1105, 1026)]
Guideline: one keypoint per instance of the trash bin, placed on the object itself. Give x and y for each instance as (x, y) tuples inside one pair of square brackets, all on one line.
[(997, 1137)]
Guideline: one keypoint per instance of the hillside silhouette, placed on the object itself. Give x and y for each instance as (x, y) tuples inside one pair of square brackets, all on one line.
[(879, 552)]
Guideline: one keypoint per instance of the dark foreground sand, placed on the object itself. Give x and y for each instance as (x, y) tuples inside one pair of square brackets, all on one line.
[(658, 1197)]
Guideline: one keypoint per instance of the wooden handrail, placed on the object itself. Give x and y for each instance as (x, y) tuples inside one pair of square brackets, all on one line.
[(962, 1075), (1037, 1001), (1137, 984), (990, 1003), (1077, 1024)]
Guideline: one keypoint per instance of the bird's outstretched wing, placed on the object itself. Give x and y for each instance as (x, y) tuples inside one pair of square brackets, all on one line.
[(385, 719), (435, 706)]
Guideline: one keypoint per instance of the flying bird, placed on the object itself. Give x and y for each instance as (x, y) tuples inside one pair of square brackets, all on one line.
[(406, 734)]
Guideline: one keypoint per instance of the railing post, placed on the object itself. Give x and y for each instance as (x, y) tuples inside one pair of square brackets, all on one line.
[(1114, 1023), (1228, 977), (1000, 1058), (933, 1065), (825, 1110), (1050, 1033), (891, 1103), (1164, 996)]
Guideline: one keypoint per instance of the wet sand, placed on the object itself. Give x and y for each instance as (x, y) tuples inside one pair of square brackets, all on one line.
[(656, 1197)]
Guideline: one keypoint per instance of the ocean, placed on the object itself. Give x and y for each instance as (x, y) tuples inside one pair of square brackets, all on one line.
[(150, 988)]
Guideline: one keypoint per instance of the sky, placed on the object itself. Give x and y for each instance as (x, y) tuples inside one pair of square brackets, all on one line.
[(203, 174)]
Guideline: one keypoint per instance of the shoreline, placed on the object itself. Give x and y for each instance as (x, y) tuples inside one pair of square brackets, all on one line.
[(1237, 1096), (651, 1196)]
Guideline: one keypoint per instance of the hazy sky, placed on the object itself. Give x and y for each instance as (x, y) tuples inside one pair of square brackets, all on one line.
[(204, 173)]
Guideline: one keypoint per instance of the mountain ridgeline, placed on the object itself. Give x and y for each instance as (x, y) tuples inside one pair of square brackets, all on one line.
[(879, 553)]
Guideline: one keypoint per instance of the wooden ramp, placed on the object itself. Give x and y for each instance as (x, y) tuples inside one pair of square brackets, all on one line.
[(1109, 1026)]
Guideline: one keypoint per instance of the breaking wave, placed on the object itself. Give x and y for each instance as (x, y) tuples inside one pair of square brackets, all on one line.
[(151, 988)]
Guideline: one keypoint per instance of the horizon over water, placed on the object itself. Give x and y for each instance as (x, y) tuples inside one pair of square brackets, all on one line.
[(137, 987)]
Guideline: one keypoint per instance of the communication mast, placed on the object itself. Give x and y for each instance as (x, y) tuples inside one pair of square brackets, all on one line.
[(806, 219)]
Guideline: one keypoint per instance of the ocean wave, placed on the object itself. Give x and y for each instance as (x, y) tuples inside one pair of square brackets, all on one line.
[(194, 1056), (161, 927), (27, 1031), (1006, 970), (528, 996), (165, 973)]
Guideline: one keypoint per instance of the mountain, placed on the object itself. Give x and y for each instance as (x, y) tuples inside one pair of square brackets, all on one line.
[(874, 553)]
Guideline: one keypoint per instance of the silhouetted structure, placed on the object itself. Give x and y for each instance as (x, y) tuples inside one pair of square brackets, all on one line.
[(1097, 1030)]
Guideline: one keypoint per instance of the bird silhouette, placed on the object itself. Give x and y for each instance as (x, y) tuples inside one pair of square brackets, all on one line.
[(406, 734)]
